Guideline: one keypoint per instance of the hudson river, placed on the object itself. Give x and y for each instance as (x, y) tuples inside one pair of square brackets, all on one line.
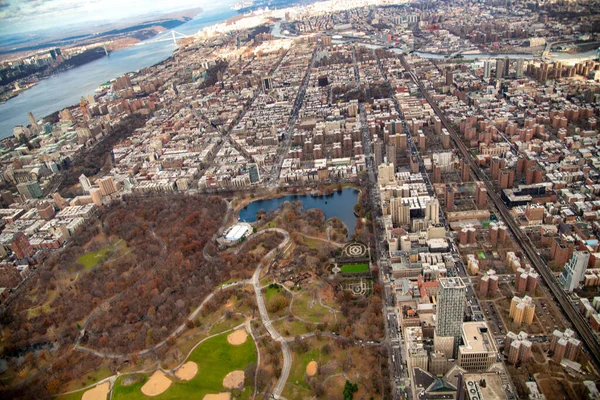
[(65, 89)]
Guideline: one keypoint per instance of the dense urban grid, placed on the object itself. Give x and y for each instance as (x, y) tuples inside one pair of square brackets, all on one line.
[(460, 137)]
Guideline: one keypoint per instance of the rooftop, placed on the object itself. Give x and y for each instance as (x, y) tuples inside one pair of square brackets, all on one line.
[(477, 338)]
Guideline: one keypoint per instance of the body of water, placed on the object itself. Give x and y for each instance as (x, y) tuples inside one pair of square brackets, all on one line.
[(340, 205), (65, 89)]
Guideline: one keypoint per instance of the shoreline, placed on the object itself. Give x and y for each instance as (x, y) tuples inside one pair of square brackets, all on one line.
[(3, 140), (170, 57)]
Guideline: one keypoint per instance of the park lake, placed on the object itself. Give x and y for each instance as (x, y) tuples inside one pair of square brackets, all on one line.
[(339, 204)]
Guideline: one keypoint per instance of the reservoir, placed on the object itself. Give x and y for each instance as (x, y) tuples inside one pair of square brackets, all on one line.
[(340, 205)]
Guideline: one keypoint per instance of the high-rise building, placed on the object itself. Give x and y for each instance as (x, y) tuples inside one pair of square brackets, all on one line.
[(574, 270), (449, 78), (522, 310), (85, 183), (432, 211), (499, 68), (385, 174), (449, 314), (564, 345), (390, 153), (34, 125), (30, 189), (399, 211), (449, 198), (254, 173), (519, 68), (107, 186), (96, 195), (517, 347), (487, 69), (378, 152)]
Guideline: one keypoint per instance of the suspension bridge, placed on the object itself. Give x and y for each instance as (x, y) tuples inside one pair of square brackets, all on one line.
[(167, 36)]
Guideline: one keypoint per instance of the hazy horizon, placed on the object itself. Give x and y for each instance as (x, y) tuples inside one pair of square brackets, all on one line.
[(34, 16)]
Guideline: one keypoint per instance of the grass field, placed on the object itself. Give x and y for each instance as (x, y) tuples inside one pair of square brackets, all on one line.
[(272, 291), (89, 378), (215, 358), (129, 392), (355, 268), (309, 309), (297, 382), (72, 396), (93, 258)]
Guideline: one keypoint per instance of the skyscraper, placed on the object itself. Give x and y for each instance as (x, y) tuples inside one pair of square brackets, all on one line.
[(391, 154), (574, 270), (85, 183), (499, 68), (34, 125), (449, 315), (432, 211), (487, 69), (450, 307), (519, 68), (378, 152)]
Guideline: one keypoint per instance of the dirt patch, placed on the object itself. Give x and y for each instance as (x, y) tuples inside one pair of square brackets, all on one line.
[(187, 371), (220, 396), (553, 389), (238, 337), (327, 294), (157, 384), (234, 380), (100, 392), (311, 368)]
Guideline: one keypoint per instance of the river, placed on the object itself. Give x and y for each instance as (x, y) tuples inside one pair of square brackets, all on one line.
[(558, 56), (65, 89), (340, 205)]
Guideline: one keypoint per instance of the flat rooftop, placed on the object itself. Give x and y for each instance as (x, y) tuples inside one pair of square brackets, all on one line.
[(477, 389), (477, 338), (451, 283)]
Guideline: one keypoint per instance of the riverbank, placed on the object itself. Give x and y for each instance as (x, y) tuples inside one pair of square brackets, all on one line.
[(66, 89)]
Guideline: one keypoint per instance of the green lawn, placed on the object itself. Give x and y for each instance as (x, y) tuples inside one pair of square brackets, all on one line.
[(215, 358), (129, 392), (93, 258), (298, 371), (270, 292), (72, 396), (302, 308), (355, 268)]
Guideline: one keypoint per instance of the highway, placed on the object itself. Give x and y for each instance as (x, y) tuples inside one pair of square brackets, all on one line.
[(580, 325)]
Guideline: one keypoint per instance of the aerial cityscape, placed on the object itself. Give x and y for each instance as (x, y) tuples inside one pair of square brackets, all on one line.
[(300, 199)]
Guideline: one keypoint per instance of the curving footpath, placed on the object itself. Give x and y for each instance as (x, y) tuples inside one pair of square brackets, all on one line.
[(266, 320)]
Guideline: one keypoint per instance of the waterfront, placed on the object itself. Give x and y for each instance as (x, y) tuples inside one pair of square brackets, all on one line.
[(340, 205), (66, 89)]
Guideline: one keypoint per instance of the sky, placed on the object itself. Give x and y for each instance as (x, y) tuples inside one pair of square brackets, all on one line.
[(31, 15)]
